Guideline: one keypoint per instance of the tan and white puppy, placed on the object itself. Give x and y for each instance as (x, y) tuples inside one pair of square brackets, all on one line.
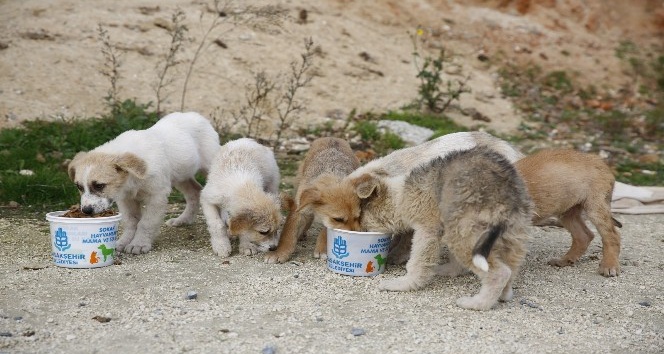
[(564, 183), (472, 201), (325, 164), (138, 169), (343, 202), (241, 198)]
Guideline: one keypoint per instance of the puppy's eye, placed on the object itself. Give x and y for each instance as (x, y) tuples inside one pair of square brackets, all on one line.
[(264, 233), (341, 220), (80, 187), (98, 187)]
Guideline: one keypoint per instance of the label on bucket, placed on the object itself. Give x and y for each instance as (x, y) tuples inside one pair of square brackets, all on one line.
[(83, 243), (357, 253)]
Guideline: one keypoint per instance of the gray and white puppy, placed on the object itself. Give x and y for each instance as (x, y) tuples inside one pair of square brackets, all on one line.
[(472, 201)]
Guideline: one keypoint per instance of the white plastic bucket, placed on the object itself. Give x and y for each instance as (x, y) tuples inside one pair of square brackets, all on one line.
[(83, 242), (357, 253)]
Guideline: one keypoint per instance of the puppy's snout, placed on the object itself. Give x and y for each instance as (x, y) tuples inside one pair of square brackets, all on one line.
[(88, 210), (272, 248)]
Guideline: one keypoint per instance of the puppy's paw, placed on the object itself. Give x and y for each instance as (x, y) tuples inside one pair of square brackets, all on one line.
[(248, 250), (179, 221), (507, 294), (276, 257), (137, 248), (221, 250), (320, 255), (609, 270), (398, 284), (561, 262), (474, 303)]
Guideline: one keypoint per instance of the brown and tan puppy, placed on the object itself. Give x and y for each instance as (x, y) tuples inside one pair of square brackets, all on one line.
[(326, 163), (565, 183), (472, 201)]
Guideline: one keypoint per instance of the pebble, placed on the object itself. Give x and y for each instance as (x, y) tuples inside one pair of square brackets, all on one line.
[(5, 334), (269, 350), (70, 337), (192, 295), (357, 332), (644, 303)]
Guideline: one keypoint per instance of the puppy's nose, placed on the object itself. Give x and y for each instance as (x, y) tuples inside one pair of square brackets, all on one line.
[(87, 210), (273, 248)]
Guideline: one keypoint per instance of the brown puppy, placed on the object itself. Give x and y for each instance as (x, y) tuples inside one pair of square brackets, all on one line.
[(326, 163), (564, 183), (473, 201)]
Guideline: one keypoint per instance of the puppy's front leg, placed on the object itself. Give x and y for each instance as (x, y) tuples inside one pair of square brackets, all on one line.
[(221, 245), (131, 214), (148, 226), (424, 258)]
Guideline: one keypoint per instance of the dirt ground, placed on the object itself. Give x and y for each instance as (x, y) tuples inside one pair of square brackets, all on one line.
[(50, 63), (51, 60), (246, 306)]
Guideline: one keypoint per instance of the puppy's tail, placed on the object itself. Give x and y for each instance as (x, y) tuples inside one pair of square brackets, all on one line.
[(485, 244)]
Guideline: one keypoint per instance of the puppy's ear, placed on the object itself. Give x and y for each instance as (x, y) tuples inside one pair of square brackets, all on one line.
[(71, 168), (132, 164), (365, 185), (309, 196), (238, 223)]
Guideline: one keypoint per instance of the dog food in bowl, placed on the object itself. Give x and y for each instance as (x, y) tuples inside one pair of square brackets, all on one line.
[(83, 242), (357, 253)]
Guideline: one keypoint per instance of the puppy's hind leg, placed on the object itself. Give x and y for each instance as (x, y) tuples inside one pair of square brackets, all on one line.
[(191, 190), (420, 269), (581, 237), (600, 216), (494, 283)]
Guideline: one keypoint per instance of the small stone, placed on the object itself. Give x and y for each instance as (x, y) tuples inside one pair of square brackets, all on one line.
[(296, 276), (70, 337), (269, 350), (598, 320), (28, 333), (5, 334), (645, 303), (192, 295), (561, 331), (357, 332), (18, 318)]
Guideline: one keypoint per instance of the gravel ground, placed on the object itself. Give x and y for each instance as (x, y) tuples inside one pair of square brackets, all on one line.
[(243, 305)]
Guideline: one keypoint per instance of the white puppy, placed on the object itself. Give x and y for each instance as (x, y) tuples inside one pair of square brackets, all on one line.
[(241, 198), (138, 169)]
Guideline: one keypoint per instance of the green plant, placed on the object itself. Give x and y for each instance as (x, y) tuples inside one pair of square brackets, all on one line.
[(434, 93), (177, 33), (43, 147), (111, 66), (440, 124)]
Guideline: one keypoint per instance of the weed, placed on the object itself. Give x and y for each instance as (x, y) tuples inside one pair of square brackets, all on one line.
[(267, 97), (261, 16), (44, 148), (434, 93), (440, 124), (177, 32), (111, 66)]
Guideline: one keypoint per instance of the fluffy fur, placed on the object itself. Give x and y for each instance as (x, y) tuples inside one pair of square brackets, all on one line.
[(326, 163), (241, 198), (473, 201), (565, 183), (138, 169), (340, 200)]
